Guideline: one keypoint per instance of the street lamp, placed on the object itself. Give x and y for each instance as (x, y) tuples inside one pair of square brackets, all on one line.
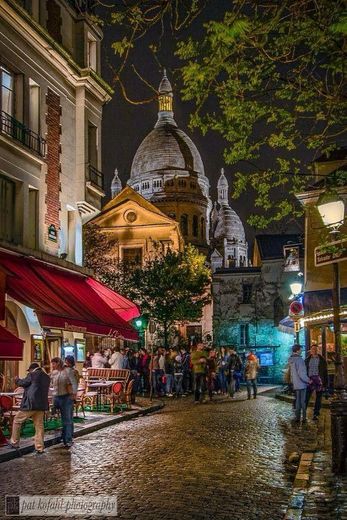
[(296, 288), (332, 209)]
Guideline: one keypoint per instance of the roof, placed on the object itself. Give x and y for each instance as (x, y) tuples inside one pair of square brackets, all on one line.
[(166, 148), (270, 247), (238, 270)]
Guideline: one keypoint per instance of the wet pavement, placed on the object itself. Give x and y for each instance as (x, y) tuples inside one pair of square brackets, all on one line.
[(220, 460)]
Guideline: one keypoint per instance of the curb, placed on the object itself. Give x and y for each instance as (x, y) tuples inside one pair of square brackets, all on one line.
[(301, 482), (290, 399), (13, 453), (302, 478)]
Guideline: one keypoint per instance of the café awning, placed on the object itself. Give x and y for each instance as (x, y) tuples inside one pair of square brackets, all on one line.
[(67, 299), (286, 325), (11, 347)]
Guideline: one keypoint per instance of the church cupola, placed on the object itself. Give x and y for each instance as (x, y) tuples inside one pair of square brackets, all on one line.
[(165, 100), (116, 184), (222, 188)]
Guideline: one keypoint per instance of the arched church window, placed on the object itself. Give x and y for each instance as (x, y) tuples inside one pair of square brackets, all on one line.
[(202, 228), (195, 226), (278, 310), (184, 225)]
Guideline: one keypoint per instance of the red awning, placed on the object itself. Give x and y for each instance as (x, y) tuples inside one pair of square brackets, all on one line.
[(66, 299), (11, 347)]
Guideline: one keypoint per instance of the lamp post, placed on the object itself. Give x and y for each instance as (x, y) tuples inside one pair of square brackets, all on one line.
[(332, 209), (296, 288)]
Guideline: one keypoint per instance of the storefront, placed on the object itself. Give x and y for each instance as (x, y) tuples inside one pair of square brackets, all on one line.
[(57, 311), (319, 324)]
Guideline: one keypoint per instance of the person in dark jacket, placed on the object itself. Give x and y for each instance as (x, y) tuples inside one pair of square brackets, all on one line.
[(234, 365), (317, 371), (33, 406)]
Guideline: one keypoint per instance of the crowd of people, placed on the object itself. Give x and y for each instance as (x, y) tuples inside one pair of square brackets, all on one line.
[(180, 371), (173, 372)]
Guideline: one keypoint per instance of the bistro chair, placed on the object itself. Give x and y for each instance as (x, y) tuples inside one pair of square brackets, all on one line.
[(128, 394), (116, 395), (90, 397), (2, 382), (19, 391), (79, 402), (6, 410)]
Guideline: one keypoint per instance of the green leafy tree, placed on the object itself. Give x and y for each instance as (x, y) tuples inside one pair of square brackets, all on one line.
[(270, 78), (170, 287)]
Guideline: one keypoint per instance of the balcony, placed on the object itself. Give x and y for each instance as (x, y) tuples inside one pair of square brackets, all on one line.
[(34, 142), (95, 178)]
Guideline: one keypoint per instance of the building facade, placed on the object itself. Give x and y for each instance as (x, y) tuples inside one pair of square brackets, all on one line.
[(228, 240), (51, 99), (249, 304), (167, 170), (318, 320)]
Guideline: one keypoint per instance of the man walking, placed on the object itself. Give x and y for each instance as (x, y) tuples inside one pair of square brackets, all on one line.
[(33, 406), (317, 371), (299, 380)]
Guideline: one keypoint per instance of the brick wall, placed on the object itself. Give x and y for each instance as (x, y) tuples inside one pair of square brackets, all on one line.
[(52, 198)]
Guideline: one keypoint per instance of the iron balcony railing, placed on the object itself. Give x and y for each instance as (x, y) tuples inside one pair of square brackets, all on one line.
[(95, 177), (10, 126)]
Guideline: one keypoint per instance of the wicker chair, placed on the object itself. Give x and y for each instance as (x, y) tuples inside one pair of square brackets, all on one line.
[(89, 398), (128, 394), (6, 411), (2, 382), (79, 401)]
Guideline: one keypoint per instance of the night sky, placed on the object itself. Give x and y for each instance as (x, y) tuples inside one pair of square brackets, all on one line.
[(126, 125)]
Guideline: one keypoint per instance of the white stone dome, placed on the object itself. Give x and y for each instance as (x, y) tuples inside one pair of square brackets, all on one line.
[(229, 225), (166, 148)]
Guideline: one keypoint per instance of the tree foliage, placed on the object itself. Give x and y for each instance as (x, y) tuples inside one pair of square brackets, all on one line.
[(274, 74), (170, 287), (268, 77)]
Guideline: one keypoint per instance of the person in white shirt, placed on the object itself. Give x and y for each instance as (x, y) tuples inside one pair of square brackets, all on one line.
[(98, 360), (117, 359)]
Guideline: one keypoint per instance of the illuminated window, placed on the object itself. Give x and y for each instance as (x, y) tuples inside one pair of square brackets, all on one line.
[(165, 103)]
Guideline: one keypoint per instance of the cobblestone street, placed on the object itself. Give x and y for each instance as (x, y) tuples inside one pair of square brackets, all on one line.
[(221, 460)]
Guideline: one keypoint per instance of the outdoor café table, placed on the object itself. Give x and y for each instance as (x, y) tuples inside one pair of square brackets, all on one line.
[(100, 387)]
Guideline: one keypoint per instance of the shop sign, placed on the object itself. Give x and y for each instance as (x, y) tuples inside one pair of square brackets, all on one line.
[(74, 328), (338, 253), (52, 233), (291, 258)]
